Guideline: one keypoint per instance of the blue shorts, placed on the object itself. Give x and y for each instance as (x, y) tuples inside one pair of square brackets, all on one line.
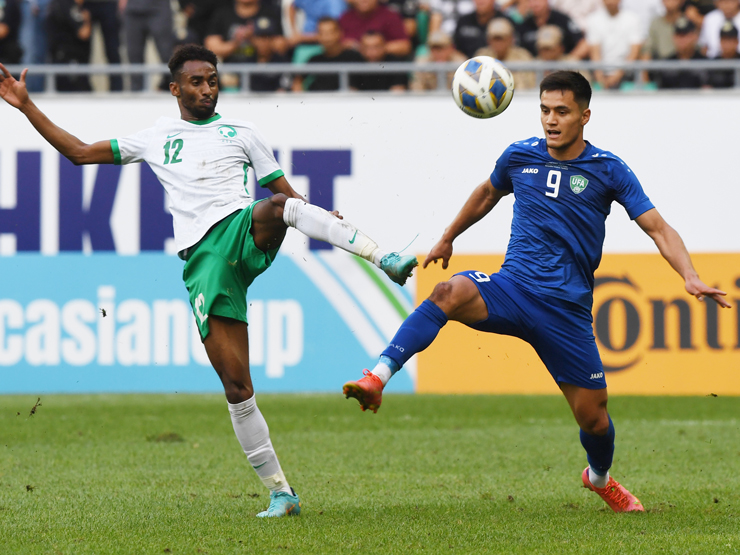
[(561, 332)]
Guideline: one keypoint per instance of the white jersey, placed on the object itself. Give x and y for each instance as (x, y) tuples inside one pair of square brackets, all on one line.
[(202, 166)]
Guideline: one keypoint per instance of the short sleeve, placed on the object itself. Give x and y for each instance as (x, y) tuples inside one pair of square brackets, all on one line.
[(636, 30), (131, 149), (262, 159), (629, 192), (394, 29), (500, 177), (593, 30)]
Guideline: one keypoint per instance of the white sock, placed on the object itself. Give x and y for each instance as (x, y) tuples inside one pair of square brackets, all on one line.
[(597, 480), (319, 224), (254, 437), (383, 371)]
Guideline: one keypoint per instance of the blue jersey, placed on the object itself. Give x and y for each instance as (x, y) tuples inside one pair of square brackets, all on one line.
[(560, 210)]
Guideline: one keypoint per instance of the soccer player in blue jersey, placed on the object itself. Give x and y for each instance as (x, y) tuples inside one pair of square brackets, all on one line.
[(564, 187)]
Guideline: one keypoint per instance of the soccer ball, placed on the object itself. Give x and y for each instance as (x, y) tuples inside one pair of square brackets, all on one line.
[(482, 87)]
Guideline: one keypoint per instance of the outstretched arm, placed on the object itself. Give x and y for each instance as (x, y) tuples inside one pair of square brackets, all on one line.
[(671, 246), (480, 203), (14, 93)]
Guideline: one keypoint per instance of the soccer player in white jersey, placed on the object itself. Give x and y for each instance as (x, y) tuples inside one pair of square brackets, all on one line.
[(225, 238)]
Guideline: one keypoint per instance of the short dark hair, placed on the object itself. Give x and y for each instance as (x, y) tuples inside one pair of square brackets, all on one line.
[(328, 19), (372, 33), (568, 81), (187, 53)]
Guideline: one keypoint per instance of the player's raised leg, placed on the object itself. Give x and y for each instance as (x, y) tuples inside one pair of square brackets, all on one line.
[(457, 299), (319, 224), (227, 346), (597, 438)]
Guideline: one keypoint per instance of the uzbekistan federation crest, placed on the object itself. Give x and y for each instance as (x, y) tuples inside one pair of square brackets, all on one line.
[(578, 183)]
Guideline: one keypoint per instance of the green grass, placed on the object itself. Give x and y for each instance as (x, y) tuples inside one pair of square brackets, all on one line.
[(427, 474)]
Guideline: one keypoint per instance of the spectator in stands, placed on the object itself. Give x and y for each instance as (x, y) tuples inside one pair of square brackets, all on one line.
[(728, 42), (540, 15), (445, 14), (614, 37), (659, 44), (501, 46), (69, 30), (695, 10), (368, 15), (143, 19), (313, 11), (550, 48), (33, 39), (645, 10), (516, 9), (105, 14), (550, 44), (266, 52), (373, 49), (713, 22), (470, 32), (330, 38), (198, 13), (577, 10), (10, 20), (441, 51), (231, 30), (686, 37), (409, 11)]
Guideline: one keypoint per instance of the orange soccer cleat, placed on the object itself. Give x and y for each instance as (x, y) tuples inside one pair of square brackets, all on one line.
[(615, 495), (368, 391)]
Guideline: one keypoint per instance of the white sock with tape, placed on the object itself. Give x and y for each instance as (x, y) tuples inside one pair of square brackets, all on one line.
[(319, 224), (251, 430)]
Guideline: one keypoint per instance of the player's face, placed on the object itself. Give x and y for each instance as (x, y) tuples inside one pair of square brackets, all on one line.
[(196, 89), (563, 120)]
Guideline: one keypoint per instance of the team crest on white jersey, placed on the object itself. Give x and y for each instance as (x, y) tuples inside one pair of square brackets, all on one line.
[(227, 132), (530, 170)]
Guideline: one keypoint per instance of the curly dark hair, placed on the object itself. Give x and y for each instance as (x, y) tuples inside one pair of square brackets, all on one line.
[(568, 81), (187, 53)]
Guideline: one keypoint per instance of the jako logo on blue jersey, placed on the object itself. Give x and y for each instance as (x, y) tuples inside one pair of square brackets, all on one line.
[(530, 170)]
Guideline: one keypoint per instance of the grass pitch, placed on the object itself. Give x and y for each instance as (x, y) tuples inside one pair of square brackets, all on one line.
[(427, 474)]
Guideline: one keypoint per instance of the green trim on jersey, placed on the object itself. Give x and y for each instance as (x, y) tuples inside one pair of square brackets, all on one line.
[(213, 118), (116, 152), (269, 178)]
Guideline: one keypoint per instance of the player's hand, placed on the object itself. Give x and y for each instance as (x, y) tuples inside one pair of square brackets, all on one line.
[(11, 90), (336, 214), (699, 289), (442, 250)]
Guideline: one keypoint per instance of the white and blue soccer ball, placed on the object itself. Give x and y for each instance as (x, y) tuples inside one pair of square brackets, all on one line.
[(483, 87)]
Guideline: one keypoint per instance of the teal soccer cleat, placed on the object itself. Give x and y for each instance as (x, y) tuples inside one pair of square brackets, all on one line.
[(282, 504), (398, 267)]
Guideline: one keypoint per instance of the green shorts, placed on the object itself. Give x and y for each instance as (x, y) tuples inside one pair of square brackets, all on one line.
[(221, 266)]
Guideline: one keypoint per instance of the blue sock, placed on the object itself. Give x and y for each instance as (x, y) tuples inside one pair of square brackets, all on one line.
[(416, 333), (599, 449)]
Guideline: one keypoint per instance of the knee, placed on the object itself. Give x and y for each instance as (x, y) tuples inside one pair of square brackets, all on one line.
[(237, 392), (593, 422), (442, 293), (236, 389)]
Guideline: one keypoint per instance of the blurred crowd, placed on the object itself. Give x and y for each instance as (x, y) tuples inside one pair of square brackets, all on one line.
[(330, 31)]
